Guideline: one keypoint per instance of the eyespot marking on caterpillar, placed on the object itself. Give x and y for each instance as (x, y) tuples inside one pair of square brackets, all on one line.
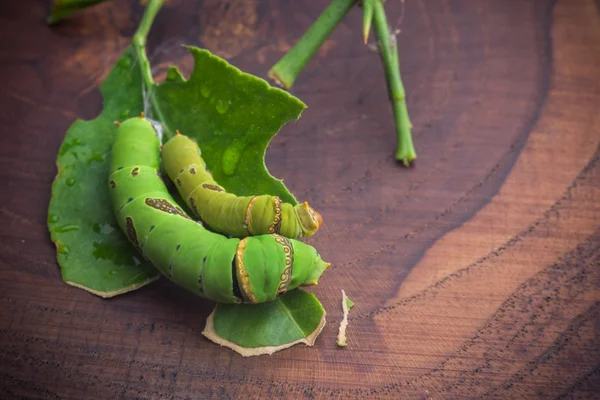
[(113, 184), (178, 182), (131, 233), (212, 187), (193, 171), (135, 171), (165, 206), (242, 273)]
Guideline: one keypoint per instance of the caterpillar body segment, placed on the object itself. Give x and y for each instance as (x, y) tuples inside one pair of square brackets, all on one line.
[(224, 212), (252, 270)]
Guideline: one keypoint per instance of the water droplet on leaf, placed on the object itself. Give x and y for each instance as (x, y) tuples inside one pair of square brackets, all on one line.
[(232, 156), (205, 91), (52, 218), (124, 113), (70, 182), (63, 249)]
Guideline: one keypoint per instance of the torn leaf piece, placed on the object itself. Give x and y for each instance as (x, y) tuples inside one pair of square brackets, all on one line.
[(265, 328), (347, 304)]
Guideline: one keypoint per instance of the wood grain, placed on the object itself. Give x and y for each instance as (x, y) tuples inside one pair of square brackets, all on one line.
[(475, 274)]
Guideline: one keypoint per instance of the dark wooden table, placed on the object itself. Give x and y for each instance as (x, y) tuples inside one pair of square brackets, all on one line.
[(475, 274)]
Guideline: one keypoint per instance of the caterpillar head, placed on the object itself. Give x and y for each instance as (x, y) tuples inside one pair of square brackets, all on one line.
[(310, 220)]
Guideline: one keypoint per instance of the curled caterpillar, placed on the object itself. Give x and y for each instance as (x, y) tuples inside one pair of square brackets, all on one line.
[(251, 270), (238, 216)]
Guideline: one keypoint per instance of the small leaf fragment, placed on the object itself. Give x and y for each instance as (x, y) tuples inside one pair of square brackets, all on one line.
[(265, 328), (347, 304)]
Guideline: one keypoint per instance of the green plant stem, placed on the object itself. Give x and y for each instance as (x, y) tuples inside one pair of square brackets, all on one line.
[(388, 51), (286, 70), (139, 44), (141, 36), (367, 18)]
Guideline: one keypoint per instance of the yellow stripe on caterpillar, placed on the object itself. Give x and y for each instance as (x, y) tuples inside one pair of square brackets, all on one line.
[(242, 273)]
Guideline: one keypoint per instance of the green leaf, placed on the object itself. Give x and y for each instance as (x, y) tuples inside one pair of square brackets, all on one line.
[(255, 329), (62, 9), (92, 251), (233, 116)]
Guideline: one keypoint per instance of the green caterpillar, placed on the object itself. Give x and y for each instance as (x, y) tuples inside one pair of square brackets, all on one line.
[(225, 212), (252, 270)]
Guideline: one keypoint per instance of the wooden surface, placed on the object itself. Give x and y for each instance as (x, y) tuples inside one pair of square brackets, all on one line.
[(475, 274)]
